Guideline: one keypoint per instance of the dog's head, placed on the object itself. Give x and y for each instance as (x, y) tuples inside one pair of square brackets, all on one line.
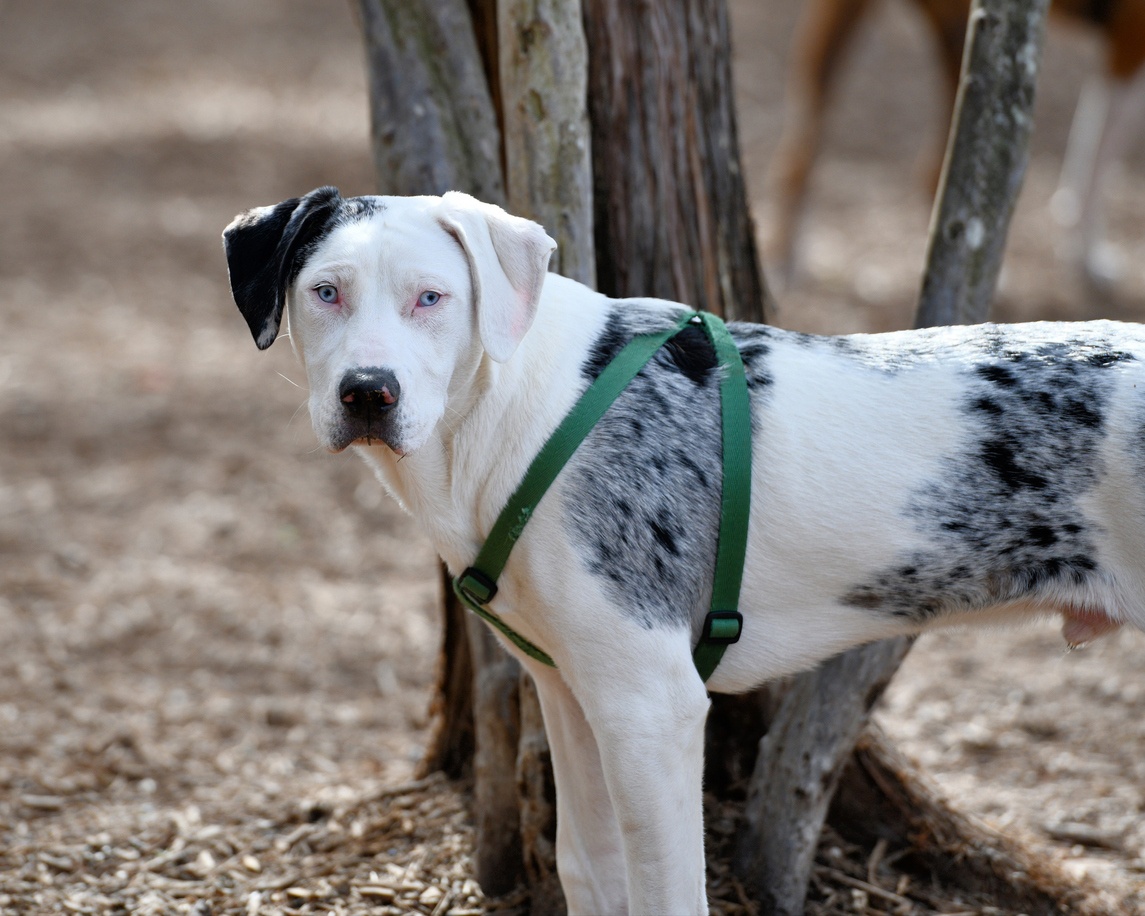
[(392, 302)]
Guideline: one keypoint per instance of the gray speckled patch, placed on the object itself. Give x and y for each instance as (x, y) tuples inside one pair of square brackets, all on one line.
[(1005, 522), (644, 489)]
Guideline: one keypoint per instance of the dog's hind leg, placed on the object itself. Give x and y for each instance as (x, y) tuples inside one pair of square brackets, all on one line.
[(590, 854)]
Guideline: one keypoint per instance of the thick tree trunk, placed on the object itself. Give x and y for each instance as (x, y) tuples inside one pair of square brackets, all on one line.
[(672, 216), (982, 175)]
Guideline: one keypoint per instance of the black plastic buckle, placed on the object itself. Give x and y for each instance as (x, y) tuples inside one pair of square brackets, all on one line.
[(477, 586), (722, 628)]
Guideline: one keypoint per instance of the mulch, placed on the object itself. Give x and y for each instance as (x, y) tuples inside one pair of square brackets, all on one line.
[(400, 849)]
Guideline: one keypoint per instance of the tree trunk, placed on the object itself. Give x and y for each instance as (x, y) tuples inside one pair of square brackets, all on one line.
[(548, 163), (888, 799), (672, 217), (434, 129), (800, 759), (431, 116), (985, 164), (542, 66)]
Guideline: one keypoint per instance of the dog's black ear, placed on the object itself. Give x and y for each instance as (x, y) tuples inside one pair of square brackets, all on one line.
[(263, 247)]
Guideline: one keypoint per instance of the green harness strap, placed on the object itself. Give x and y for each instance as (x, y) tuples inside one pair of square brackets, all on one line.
[(477, 586)]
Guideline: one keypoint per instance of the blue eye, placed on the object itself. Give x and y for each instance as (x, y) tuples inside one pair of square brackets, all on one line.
[(428, 298), (327, 293)]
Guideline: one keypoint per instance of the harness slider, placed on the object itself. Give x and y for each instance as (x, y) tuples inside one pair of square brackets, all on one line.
[(477, 586), (722, 628)]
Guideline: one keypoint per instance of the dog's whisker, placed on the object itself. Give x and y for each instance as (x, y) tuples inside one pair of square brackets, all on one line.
[(293, 382), (294, 416)]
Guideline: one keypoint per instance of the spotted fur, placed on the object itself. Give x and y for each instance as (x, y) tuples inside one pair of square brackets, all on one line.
[(1005, 521), (897, 480)]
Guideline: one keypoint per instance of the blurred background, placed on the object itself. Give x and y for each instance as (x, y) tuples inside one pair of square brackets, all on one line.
[(205, 621)]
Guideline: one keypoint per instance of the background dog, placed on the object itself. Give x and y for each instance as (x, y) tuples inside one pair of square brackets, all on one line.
[(1107, 118), (903, 480)]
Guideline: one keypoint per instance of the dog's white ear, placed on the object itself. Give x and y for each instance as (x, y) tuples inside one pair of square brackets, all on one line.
[(508, 259), (264, 248)]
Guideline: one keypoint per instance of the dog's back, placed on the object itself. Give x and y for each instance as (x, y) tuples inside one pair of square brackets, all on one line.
[(900, 480)]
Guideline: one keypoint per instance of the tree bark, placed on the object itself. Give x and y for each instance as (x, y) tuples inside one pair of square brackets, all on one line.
[(548, 163), (985, 162), (434, 129), (672, 217), (889, 799), (542, 66), (431, 116), (982, 175), (802, 756)]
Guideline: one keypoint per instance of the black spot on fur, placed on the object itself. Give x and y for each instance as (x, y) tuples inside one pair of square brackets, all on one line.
[(999, 455), (664, 537), (753, 351), (265, 249), (1004, 521), (999, 375), (638, 503), (693, 353), (1041, 536), (611, 341), (987, 405)]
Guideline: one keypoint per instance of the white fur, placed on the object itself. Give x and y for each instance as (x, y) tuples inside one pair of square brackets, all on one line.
[(485, 377)]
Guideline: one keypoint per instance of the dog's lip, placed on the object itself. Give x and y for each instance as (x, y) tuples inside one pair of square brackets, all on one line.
[(339, 439), (367, 442)]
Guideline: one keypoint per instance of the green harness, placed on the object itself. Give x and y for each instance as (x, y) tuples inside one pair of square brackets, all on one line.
[(478, 584)]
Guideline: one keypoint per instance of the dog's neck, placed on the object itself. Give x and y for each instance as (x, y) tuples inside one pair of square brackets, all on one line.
[(497, 419)]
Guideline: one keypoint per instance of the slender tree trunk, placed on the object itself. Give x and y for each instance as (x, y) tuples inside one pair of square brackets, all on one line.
[(985, 162), (814, 730), (431, 115), (434, 129), (544, 91), (542, 66)]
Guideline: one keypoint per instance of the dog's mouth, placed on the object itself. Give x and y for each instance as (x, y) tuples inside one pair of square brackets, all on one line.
[(343, 439), (345, 432), (374, 441)]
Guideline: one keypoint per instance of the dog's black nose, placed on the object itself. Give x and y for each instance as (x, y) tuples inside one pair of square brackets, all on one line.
[(368, 391)]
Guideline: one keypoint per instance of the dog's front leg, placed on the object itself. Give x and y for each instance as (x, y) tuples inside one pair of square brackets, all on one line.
[(590, 854), (647, 706)]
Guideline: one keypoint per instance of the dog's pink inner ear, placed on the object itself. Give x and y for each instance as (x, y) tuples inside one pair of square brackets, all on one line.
[(1082, 625)]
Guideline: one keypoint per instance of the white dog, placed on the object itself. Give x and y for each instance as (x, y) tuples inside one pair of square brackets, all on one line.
[(960, 474)]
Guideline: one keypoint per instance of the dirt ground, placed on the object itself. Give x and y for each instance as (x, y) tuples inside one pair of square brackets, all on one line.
[(216, 643)]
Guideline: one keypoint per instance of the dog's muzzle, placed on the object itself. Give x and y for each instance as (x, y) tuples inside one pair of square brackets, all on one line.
[(368, 398)]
